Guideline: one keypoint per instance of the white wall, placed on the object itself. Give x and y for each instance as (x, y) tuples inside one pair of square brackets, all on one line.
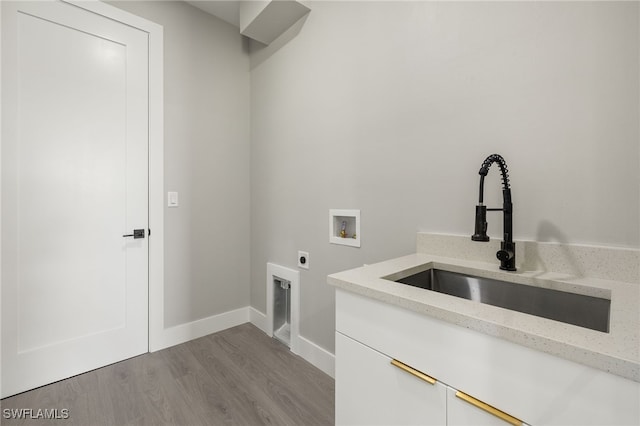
[(206, 93), (391, 107)]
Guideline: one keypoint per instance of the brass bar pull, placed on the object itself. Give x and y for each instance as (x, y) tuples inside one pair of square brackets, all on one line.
[(419, 374), (489, 409)]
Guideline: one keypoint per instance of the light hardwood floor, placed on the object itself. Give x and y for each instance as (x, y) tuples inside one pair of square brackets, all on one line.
[(239, 376)]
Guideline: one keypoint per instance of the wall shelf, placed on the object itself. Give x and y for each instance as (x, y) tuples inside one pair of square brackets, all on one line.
[(344, 227)]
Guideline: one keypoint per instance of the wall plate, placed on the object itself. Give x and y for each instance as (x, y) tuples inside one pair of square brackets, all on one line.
[(172, 199), (303, 259)]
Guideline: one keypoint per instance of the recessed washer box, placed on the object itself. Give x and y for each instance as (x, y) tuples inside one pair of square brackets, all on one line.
[(344, 227)]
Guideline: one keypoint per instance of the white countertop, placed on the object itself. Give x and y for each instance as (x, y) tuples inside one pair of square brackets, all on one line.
[(616, 352)]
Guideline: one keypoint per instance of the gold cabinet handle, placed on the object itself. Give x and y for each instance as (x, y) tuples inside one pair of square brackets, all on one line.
[(489, 409), (419, 374)]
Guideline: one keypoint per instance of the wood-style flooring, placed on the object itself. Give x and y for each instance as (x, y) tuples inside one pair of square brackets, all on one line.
[(239, 376)]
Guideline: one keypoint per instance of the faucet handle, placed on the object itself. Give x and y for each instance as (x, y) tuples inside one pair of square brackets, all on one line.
[(504, 255), (507, 256)]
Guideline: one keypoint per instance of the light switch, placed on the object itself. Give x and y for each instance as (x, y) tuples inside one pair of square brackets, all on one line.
[(172, 199)]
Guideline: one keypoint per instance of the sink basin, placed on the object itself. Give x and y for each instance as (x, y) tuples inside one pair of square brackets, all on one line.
[(577, 309)]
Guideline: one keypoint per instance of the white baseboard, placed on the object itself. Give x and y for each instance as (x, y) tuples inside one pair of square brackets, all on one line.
[(319, 357), (258, 319), (184, 332), (314, 354)]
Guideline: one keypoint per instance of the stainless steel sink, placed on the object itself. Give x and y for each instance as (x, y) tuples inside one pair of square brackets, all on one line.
[(577, 309)]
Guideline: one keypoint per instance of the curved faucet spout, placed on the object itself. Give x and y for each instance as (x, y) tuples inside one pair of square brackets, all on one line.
[(507, 253), (484, 170)]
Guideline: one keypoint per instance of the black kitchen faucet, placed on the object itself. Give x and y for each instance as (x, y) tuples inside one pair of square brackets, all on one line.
[(507, 252)]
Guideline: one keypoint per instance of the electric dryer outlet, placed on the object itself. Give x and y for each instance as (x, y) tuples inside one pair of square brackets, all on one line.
[(303, 260)]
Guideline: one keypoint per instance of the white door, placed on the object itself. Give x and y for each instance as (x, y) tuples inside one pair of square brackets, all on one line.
[(74, 181)]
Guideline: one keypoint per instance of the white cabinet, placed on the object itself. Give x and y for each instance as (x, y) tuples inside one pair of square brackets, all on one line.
[(373, 391), (537, 388)]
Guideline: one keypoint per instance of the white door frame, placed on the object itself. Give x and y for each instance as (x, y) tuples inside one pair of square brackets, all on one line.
[(156, 159), (0, 198)]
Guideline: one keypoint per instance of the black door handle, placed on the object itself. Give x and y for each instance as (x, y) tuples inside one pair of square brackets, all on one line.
[(137, 233)]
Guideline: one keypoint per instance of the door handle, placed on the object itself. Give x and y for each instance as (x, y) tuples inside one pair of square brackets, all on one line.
[(137, 233)]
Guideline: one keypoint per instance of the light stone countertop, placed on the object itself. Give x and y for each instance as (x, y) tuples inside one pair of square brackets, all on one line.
[(616, 352)]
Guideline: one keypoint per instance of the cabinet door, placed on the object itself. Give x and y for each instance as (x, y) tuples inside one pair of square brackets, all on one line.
[(372, 391), (463, 413)]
